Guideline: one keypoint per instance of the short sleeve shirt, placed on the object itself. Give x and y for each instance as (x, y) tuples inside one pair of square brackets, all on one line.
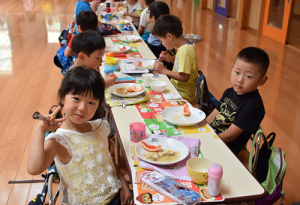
[(133, 10), (81, 6), (144, 22), (186, 61), (245, 111)]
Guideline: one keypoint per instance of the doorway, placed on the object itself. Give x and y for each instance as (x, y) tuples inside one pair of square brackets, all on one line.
[(294, 36)]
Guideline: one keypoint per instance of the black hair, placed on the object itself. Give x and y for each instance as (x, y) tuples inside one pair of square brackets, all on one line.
[(87, 42), (78, 81), (158, 8), (148, 2), (255, 56), (167, 24), (87, 20)]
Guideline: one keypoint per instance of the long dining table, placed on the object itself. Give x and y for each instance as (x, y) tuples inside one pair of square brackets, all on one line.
[(237, 183)]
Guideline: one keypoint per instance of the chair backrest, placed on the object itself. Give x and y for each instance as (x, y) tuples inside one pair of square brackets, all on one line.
[(206, 101)]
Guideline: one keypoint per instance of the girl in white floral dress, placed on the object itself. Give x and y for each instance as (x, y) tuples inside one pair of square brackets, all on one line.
[(79, 147)]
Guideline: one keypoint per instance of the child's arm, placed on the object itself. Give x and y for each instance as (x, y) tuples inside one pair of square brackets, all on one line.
[(166, 57), (42, 154), (132, 15), (68, 52), (95, 6), (209, 118), (231, 133), (141, 30), (125, 193), (119, 4), (183, 77)]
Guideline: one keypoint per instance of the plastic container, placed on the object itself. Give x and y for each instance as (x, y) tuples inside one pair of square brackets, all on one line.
[(107, 7), (121, 25), (108, 17), (110, 69), (137, 131), (215, 173)]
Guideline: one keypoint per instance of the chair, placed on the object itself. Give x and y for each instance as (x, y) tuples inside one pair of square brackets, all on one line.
[(114, 140)]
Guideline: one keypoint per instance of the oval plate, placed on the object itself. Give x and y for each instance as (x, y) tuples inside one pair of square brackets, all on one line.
[(167, 143), (129, 38), (117, 49), (112, 89), (174, 115)]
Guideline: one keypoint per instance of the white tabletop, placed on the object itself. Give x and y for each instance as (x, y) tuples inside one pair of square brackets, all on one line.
[(236, 182)]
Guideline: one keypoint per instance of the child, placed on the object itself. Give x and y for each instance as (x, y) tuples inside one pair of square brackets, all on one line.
[(241, 109), (132, 10), (89, 48), (184, 75), (84, 5), (155, 10), (85, 21), (145, 27), (79, 147)]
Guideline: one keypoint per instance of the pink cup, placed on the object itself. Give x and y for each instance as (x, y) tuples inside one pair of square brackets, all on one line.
[(137, 131)]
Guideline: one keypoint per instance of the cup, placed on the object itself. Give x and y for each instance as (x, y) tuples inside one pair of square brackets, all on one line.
[(121, 25), (147, 79), (108, 17), (215, 173), (137, 131)]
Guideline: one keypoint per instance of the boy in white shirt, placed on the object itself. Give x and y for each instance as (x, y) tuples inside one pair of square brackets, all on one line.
[(132, 10), (145, 27)]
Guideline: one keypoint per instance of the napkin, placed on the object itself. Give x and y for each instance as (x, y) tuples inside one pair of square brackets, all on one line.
[(172, 96), (178, 170)]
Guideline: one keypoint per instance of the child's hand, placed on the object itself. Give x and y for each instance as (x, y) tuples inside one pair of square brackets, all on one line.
[(126, 14), (110, 80), (166, 57), (159, 67), (50, 126), (126, 196)]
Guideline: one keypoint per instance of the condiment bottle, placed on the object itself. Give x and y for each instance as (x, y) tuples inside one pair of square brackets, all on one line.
[(107, 7), (215, 173)]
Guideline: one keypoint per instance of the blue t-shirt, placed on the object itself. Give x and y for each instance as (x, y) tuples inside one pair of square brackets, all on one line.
[(153, 40), (81, 6)]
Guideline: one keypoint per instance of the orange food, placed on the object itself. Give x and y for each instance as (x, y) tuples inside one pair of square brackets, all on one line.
[(186, 110), (109, 54), (135, 89), (122, 47), (150, 148), (129, 89), (139, 64)]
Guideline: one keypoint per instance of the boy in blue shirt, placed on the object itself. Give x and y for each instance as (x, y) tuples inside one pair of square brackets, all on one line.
[(84, 5), (241, 109)]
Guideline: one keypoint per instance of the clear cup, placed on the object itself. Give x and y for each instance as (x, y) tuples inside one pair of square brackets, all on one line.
[(147, 79), (137, 131)]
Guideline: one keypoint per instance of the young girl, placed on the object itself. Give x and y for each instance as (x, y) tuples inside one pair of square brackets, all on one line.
[(79, 147)]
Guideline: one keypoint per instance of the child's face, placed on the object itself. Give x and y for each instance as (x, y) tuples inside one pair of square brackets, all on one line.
[(94, 60), (79, 108), (151, 20), (131, 2), (142, 2), (246, 77), (167, 41)]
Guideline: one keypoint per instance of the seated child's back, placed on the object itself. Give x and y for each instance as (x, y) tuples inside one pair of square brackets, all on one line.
[(184, 75), (241, 109)]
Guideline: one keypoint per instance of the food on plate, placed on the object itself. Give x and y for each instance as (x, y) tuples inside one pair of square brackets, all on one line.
[(133, 88), (109, 54), (148, 66), (139, 64), (121, 90), (150, 148), (121, 48), (162, 155), (205, 194), (186, 110)]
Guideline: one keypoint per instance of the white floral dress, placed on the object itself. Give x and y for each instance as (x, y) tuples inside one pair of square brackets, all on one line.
[(90, 176)]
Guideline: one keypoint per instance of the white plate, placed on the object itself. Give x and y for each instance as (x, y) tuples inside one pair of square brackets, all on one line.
[(116, 49), (145, 63), (174, 115), (112, 89), (129, 38), (167, 143)]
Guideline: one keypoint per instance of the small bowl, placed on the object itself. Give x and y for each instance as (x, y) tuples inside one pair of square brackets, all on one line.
[(192, 37), (120, 14), (197, 168), (128, 32), (114, 67), (158, 86)]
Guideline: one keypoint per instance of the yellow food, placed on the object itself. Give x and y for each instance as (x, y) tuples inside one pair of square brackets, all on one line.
[(162, 156)]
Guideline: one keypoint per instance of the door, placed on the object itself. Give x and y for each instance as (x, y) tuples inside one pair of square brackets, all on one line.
[(222, 7), (276, 19)]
